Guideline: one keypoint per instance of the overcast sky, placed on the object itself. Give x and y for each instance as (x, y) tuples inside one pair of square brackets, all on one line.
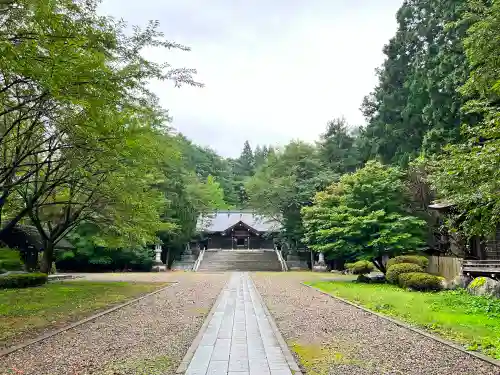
[(273, 70)]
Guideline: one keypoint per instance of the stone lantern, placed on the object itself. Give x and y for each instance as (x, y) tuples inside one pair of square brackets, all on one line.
[(320, 265), (158, 265)]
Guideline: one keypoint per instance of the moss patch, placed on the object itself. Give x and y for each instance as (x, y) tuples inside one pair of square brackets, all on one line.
[(139, 366), (320, 359), (478, 282)]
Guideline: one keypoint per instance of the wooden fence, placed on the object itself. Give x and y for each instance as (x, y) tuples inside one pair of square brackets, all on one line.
[(448, 267)]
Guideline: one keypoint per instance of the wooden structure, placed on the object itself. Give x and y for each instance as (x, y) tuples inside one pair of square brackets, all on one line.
[(481, 255), (235, 230), (490, 268)]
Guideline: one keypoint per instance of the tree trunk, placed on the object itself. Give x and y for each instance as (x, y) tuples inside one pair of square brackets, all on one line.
[(379, 263), (167, 259), (47, 258)]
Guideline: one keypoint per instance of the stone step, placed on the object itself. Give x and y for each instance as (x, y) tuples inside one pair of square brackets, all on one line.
[(240, 260)]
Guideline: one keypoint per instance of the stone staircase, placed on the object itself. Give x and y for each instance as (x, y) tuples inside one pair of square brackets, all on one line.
[(239, 260)]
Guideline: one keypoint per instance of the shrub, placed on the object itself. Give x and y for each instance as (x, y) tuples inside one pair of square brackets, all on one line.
[(348, 266), (415, 259), (395, 270), (421, 281), (22, 280), (10, 260), (361, 267)]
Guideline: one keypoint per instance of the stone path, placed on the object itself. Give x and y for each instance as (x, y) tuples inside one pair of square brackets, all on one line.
[(239, 339)]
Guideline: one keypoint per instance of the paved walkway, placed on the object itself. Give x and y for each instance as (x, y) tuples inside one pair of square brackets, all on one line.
[(239, 339)]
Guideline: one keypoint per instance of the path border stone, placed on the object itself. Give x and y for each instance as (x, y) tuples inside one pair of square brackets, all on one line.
[(407, 326), (290, 359), (43, 337), (183, 366)]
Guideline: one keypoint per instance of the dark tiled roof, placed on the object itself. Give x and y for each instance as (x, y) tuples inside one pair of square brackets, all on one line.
[(222, 220)]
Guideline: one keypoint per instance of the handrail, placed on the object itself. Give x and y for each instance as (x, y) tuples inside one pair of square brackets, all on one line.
[(198, 260), (284, 266)]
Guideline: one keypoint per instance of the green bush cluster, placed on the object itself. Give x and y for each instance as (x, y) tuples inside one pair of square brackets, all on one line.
[(99, 259), (395, 270), (361, 267), (10, 260), (422, 261), (22, 280), (421, 281)]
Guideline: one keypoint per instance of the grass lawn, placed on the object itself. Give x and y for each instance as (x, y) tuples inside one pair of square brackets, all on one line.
[(27, 312), (468, 320)]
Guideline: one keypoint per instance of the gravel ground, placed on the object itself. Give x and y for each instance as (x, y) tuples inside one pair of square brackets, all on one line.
[(335, 338), (146, 338)]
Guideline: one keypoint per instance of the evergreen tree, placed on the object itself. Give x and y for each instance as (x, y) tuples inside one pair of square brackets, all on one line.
[(337, 147), (416, 105)]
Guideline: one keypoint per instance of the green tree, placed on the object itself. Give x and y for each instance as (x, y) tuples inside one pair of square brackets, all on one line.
[(246, 161), (364, 215), (60, 140), (337, 147), (416, 105), (468, 174), (285, 183)]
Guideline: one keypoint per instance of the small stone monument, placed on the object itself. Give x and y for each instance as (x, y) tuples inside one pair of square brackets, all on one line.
[(320, 265), (188, 259), (158, 265), (294, 261)]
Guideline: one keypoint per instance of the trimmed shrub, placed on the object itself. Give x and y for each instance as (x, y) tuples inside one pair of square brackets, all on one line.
[(10, 260), (22, 280), (348, 266), (415, 259), (420, 281), (395, 270), (361, 267)]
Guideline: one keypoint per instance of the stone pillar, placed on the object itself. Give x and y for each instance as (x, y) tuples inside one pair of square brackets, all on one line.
[(320, 265)]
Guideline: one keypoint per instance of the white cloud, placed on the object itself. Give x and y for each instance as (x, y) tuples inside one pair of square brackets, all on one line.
[(273, 72)]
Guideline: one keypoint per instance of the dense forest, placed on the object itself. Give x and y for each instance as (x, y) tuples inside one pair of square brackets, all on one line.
[(89, 155), (432, 132)]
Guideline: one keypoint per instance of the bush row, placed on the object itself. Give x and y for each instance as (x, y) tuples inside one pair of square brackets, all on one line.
[(394, 271), (22, 280), (407, 271)]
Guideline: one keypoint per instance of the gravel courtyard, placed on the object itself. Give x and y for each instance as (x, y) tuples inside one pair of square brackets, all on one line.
[(336, 338), (146, 338)]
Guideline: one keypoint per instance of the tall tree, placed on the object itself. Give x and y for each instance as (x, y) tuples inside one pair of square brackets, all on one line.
[(245, 166), (468, 174), (58, 137), (287, 182), (337, 147), (416, 105)]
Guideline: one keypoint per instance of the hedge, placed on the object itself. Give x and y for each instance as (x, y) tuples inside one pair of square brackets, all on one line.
[(10, 260), (415, 259), (11, 265), (395, 270), (421, 281), (22, 280)]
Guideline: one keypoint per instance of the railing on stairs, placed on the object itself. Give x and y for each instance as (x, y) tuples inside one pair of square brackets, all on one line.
[(198, 260), (284, 267)]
